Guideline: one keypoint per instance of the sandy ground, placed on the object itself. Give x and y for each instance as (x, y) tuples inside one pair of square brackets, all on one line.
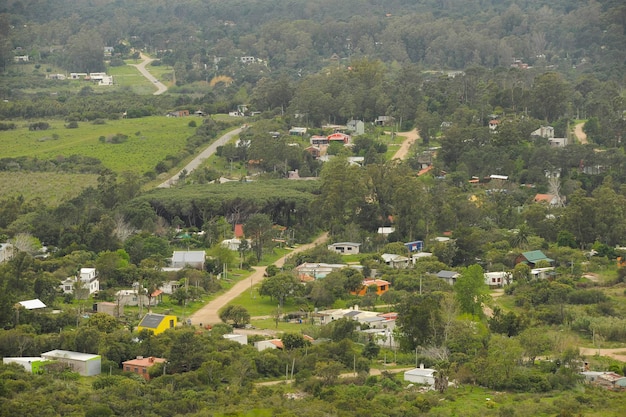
[(411, 137), (582, 136), (161, 88), (209, 313), (618, 353)]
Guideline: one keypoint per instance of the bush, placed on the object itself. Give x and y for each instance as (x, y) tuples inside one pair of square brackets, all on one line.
[(72, 125), (192, 123), (7, 126), (39, 126)]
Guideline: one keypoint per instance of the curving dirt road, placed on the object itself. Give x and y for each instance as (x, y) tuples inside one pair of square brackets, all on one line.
[(582, 136), (411, 137), (161, 88), (195, 162), (209, 313)]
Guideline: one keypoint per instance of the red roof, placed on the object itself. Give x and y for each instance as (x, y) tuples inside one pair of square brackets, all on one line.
[(156, 293), (239, 230), (144, 361)]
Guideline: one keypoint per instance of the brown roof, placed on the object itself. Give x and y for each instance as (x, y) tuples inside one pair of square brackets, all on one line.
[(145, 362), (546, 198)]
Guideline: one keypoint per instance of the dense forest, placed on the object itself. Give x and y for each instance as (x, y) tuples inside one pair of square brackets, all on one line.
[(474, 78)]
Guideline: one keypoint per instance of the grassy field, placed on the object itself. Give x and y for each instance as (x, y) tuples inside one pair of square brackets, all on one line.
[(53, 188), (150, 139)]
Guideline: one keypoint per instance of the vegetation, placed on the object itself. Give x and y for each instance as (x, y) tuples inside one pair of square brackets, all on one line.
[(478, 188)]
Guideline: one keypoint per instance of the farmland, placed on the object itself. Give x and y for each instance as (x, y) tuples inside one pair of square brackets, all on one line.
[(53, 188), (149, 140)]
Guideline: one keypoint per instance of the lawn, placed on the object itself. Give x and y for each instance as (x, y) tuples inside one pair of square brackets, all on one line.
[(53, 188), (150, 139)]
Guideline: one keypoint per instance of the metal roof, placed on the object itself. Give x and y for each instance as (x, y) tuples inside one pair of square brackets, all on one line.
[(151, 320)]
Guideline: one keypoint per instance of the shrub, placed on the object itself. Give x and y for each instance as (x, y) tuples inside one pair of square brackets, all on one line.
[(72, 125), (192, 123), (7, 126)]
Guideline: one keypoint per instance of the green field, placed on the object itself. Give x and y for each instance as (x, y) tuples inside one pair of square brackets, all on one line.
[(150, 139), (52, 188)]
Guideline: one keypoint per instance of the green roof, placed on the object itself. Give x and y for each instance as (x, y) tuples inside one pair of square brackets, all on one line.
[(535, 256)]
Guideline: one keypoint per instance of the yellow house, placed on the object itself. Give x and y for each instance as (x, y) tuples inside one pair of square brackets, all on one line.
[(157, 323)]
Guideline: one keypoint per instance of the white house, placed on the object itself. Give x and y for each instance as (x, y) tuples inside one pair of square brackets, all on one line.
[(239, 338), (88, 279), (497, 279), (85, 364), (170, 287), (345, 248), (421, 375), (268, 344), (6, 252), (192, 258), (386, 231), (131, 298), (448, 276), (396, 261)]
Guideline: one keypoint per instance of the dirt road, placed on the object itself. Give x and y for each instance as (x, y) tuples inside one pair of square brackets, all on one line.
[(161, 88), (411, 137), (195, 162), (209, 313), (582, 136), (618, 354)]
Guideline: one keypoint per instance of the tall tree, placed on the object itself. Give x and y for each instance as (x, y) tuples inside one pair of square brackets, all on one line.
[(550, 92), (471, 291), (259, 229)]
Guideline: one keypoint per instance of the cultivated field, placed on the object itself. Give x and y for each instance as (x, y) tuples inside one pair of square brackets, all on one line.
[(52, 188), (149, 140)]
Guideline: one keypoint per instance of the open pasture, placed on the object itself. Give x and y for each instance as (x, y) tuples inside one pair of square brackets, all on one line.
[(52, 187), (149, 140)]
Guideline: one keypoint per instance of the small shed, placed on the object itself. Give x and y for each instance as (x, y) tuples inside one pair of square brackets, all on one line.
[(239, 338), (421, 375)]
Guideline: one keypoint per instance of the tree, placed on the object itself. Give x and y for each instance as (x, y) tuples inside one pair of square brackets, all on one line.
[(281, 286), (235, 314), (471, 291), (419, 319), (550, 93), (259, 229), (85, 52), (294, 341), (535, 341)]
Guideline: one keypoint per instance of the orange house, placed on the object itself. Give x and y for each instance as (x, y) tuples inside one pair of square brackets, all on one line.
[(382, 287), (141, 365)]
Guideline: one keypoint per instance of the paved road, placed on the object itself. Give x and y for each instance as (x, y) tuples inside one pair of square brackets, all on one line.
[(195, 162), (161, 88), (209, 313)]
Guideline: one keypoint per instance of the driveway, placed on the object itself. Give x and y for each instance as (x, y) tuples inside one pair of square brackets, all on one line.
[(411, 137)]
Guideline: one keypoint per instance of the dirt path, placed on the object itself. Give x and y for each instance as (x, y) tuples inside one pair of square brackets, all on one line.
[(161, 88), (618, 354), (209, 313), (582, 136), (195, 162), (411, 137), (494, 294)]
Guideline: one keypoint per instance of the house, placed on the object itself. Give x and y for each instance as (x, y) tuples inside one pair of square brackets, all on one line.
[(421, 376), (493, 125), (108, 51), (178, 113), (157, 323), (532, 257), (382, 287), (384, 120), (86, 283), (386, 231), (317, 140), (6, 252), (425, 159), (543, 132), (112, 309), (298, 131), (141, 365), (542, 273), (239, 233), (106, 80), (356, 160), (610, 380), (85, 364), (21, 58), (234, 244), (558, 142), (33, 365), (315, 151), (320, 270), (549, 199), (170, 287), (353, 313), (415, 246), (357, 127), (420, 255), (193, 259), (497, 279), (242, 339), (345, 248), (396, 261), (338, 137), (131, 298), (77, 75), (247, 59), (269, 344), (448, 276)]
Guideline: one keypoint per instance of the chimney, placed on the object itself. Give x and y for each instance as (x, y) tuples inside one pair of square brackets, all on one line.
[(151, 359), (421, 366), (139, 357)]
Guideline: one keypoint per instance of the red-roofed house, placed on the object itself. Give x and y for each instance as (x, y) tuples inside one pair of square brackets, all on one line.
[(549, 199), (339, 137), (239, 231), (141, 365), (493, 124), (269, 344)]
